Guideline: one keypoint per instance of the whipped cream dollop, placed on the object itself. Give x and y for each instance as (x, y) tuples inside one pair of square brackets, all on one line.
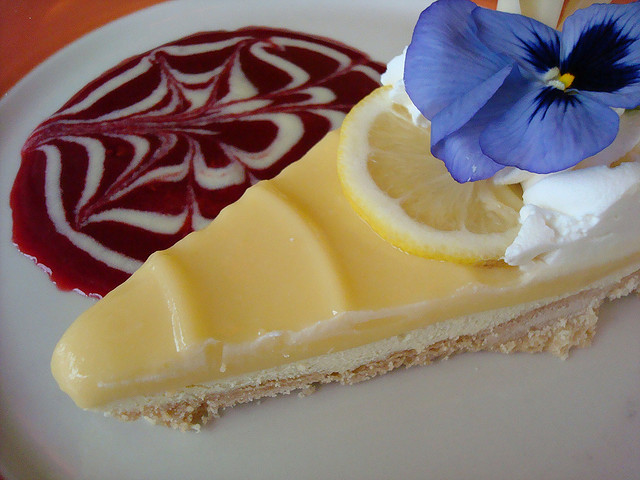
[(571, 217), (394, 77)]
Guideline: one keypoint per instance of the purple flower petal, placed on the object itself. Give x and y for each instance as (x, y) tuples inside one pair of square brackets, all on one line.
[(445, 58), (460, 111), (460, 149), (532, 44), (601, 48), (548, 130), (463, 157)]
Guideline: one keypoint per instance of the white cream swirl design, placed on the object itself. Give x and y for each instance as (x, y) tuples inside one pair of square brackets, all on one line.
[(157, 146)]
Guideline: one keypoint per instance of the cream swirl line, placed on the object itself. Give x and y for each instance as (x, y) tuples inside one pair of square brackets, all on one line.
[(159, 144), (189, 86), (57, 214)]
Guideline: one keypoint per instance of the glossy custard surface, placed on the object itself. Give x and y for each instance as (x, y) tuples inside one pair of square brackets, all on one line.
[(286, 273), (155, 147)]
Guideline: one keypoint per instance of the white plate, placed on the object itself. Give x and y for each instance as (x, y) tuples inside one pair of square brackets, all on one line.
[(484, 416)]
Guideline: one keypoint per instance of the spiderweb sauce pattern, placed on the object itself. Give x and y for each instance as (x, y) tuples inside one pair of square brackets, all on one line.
[(154, 148)]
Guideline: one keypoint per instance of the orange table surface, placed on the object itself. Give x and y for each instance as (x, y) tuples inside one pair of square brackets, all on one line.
[(32, 30)]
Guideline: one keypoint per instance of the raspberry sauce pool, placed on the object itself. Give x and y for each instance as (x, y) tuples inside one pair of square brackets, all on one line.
[(155, 147)]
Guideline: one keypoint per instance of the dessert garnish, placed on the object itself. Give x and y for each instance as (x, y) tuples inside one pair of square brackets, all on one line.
[(407, 195), (155, 147), (502, 89), (488, 90)]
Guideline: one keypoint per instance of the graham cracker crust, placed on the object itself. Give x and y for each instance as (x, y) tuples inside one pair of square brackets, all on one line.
[(555, 327)]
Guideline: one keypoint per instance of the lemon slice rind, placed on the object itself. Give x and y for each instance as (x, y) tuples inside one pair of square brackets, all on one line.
[(384, 164)]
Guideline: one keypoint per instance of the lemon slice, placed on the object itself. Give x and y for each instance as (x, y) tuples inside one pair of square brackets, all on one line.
[(409, 198)]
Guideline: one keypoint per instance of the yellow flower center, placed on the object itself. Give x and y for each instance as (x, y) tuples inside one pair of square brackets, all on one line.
[(567, 79), (555, 80)]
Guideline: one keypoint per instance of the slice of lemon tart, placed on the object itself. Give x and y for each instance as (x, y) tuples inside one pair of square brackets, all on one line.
[(289, 287), (364, 256)]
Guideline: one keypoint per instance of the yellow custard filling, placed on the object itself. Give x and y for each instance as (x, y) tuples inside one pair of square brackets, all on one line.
[(286, 273)]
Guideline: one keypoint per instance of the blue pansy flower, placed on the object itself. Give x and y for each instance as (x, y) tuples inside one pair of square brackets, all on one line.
[(505, 90)]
